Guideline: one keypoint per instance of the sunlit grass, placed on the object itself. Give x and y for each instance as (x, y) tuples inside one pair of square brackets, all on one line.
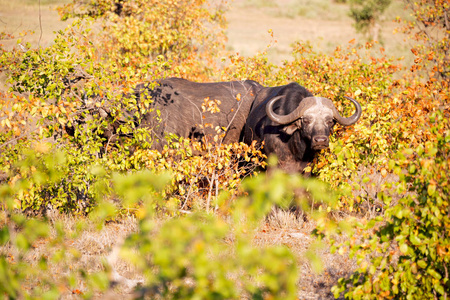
[(20, 3)]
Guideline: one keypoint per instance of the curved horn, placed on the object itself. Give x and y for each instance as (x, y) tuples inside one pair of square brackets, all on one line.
[(350, 120), (291, 117)]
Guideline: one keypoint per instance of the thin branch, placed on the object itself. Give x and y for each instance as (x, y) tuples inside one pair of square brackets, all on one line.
[(40, 24), (447, 23)]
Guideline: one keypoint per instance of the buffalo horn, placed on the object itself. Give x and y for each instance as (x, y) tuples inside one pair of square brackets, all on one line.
[(289, 118), (350, 120)]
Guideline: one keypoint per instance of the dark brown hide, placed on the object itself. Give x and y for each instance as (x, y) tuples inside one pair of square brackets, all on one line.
[(180, 104)]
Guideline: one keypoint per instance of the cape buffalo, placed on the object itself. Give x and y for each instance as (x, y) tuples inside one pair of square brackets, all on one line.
[(179, 105), (293, 124)]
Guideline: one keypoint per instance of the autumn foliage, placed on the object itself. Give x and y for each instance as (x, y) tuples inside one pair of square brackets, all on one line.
[(58, 154)]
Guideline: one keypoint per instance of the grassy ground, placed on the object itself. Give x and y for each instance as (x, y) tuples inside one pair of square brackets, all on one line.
[(19, 16), (324, 23)]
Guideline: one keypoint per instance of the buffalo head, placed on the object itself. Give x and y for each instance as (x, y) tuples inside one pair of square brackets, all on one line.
[(314, 118)]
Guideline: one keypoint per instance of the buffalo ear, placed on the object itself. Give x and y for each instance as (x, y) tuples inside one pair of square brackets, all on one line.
[(290, 129)]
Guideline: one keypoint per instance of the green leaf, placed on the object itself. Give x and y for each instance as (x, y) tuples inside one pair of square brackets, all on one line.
[(415, 240), (422, 264), (404, 248), (99, 281), (4, 235), (434, 274), (22, 242), (439, 288), (431, 189)]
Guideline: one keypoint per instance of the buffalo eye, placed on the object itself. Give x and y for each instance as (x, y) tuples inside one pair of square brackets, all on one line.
[(306, 121), (330, 123)]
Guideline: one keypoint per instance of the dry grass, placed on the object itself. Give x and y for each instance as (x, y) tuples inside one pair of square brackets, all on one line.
[(97, 247), (324, 23), (19, 16), (292, 229)]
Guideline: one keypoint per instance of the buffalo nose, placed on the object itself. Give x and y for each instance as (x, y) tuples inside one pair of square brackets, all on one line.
[(320, 139)]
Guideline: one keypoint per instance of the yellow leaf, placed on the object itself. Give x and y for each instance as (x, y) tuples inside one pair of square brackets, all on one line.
[(42, 147), (7, 123), (431, 189), (141, 213), (44, 112)]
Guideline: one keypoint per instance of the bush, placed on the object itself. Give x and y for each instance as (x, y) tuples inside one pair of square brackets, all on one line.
[(185, 257), (367, 15), (430, 30), (69, 87), (406, 256), (188, 34)]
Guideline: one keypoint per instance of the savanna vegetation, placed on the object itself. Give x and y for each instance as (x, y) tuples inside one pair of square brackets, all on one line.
[(188, 225)]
